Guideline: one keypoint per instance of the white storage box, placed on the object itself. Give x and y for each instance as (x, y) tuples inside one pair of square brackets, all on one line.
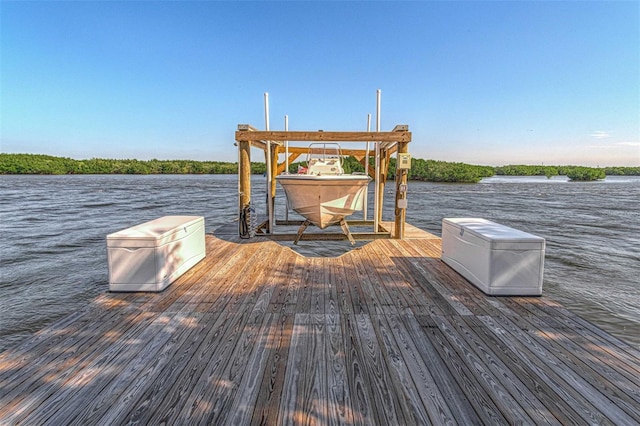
[(150, 256), (499, 260)]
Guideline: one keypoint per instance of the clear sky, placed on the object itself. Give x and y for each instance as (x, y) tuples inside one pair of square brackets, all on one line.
[(498, 82)]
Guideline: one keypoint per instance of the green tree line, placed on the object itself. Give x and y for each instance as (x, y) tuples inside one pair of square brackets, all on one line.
[(572, 172), (49, 165), (422, 170)]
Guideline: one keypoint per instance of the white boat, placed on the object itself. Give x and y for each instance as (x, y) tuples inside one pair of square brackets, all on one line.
[(321, 192)]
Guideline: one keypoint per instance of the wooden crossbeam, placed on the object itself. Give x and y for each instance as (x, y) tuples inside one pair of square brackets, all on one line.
[(320, 136), (304, 150)]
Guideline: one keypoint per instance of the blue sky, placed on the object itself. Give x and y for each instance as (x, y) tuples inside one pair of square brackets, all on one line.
[(491, 83)]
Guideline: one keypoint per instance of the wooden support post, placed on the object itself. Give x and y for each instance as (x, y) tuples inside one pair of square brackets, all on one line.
[(272, 190), (401, 182), (244, 185), (384, 166)]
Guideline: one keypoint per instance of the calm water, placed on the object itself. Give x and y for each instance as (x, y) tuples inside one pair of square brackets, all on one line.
[(53, 253)]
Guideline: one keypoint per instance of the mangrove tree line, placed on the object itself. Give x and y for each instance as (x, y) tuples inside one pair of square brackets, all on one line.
[(423, 170)]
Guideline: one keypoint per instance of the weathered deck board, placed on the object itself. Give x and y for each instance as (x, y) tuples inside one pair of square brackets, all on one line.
[(257, 334)]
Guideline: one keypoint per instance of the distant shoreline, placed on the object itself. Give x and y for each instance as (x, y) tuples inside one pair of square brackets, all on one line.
[(422, 170)]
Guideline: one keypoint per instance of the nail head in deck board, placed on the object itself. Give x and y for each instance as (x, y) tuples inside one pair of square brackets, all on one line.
[(372, 328)]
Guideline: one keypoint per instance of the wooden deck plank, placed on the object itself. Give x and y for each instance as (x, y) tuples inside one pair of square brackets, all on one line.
[(457, 403), (291, 407), (294, 284), (612, 365), (416, 293), (245, 374), (56, 387), (271, 388), (170, 360), (226, 268), (386, 402), (361, 392), (506, 401), (49, 373), (314, 391), (186, 397), (467, 380), (167, 394), (357, 297), (53, 340), (305, 284), (371, 281), (340, 409), (427, 390), (66, 342), (393, 283), (606, 347), (252, 352), (92, 405), (318, 287), (575, 362), (527, 399), (257, 334), (283, 293), (226, 367), (544, 365), (344, 303), (376, 299), (533, 377), (404, 387)]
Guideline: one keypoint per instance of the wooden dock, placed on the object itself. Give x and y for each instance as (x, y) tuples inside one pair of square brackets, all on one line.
[(256, 334)]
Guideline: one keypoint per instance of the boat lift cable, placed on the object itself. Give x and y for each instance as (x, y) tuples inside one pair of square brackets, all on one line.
[(248, 222), (244, 224)]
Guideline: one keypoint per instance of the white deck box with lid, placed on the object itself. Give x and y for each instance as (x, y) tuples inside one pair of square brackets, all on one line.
[(150, 256), (497, 259)]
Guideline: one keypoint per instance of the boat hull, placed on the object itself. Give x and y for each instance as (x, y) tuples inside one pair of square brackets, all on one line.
[(326, 199)]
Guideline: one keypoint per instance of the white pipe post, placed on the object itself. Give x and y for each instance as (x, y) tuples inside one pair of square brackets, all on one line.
[(269, 177), (286, 165), (366, 169), (377, 207), (286, 145)]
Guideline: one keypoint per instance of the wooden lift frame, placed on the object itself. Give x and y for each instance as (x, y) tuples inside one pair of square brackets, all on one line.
[(272, 143)]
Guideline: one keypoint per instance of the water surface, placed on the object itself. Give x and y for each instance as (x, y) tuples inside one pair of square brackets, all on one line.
[(53, 251)]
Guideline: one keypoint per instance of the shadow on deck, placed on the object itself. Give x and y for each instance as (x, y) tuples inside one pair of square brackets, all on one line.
[(258, 334)]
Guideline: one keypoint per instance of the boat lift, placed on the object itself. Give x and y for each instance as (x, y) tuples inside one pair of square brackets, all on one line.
[(272, 143)]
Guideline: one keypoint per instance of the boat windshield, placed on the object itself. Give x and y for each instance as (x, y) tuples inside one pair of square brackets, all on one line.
[(324, 159)]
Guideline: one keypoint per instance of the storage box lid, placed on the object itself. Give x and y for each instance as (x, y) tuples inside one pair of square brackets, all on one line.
[(496, 235), (156, 232)]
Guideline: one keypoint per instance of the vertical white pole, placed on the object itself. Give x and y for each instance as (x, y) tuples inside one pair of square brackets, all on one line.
[(376, 208), (366, 169), (286, 165), (269, 177), (286, 145)]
